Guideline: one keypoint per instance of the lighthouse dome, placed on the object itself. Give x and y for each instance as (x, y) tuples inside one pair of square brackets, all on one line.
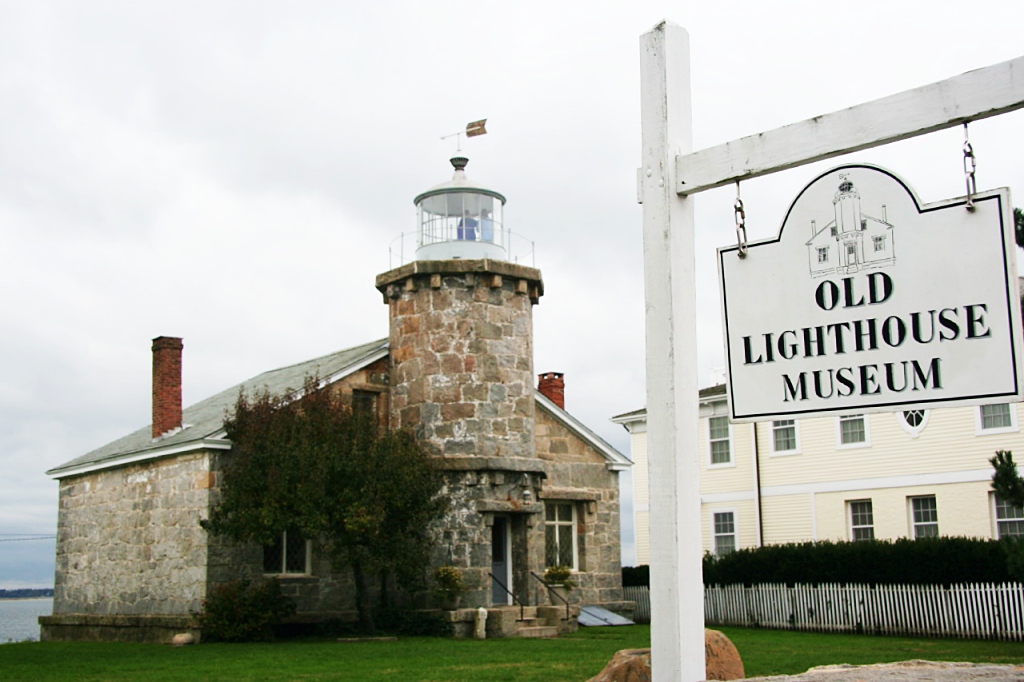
[(460, 219)]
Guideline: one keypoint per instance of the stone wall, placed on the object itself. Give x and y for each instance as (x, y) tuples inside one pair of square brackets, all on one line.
[(578, 473), (485, 487), (129, 541), (461, 339), (326, 592), (482, 488)]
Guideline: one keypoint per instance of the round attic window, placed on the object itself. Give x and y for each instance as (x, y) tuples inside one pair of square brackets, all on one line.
[(913, 421)]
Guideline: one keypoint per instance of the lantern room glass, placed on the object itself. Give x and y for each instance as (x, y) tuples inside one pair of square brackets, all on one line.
[(460, 216)]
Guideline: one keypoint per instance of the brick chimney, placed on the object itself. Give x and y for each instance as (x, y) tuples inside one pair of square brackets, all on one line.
[(552, 385), (166, 384)]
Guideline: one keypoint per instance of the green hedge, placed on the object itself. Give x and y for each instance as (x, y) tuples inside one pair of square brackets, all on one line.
[(636, 576), (929, 561)]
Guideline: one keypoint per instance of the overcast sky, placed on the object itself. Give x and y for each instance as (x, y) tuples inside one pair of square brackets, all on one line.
[(234, 173)]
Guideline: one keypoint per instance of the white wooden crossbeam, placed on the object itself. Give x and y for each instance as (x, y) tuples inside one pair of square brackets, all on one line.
[(971, 96)]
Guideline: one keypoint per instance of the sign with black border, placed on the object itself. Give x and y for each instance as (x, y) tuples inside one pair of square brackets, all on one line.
[(869, 301)]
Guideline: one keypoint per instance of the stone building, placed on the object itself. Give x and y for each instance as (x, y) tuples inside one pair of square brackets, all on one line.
[(533, 487)]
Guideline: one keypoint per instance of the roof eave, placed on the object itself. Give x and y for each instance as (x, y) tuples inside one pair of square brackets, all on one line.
[(140, 456), (629, 417)]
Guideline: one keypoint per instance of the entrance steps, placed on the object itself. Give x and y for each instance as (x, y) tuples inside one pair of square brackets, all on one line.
[(539, 631), (509, 621), (535, 621)]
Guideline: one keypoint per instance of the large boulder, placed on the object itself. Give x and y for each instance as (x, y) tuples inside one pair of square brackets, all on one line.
[(722, 662), (721, 659)]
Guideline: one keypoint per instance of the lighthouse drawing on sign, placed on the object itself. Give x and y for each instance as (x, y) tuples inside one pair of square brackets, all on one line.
[(852, 241)]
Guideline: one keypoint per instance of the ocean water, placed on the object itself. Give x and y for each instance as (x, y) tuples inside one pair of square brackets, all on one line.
[(18, 618)]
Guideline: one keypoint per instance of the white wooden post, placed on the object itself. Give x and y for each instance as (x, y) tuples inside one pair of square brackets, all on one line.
[(677, 587)]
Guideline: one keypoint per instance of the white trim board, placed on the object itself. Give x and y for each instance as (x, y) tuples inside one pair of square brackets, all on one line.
[(143, 456), (908, 481)]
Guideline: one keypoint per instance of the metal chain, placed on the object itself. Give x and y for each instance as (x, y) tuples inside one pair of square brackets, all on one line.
[(741, 224), (970, 163)]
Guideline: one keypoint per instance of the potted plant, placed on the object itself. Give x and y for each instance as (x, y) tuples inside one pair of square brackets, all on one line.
[(449, 586), (560, 583)]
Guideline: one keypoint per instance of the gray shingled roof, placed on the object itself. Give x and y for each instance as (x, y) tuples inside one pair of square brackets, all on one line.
[(205, 420)]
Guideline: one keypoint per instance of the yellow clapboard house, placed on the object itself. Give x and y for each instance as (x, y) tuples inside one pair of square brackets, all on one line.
[(879, 475)]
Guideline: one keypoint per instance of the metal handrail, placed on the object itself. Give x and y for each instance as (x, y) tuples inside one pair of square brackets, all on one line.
[(515, 599), (550, 591)]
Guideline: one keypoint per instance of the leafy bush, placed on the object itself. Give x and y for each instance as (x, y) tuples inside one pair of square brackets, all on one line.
[(928, 561), (369, 495), (241, 611), (449, 582), (559, 575)]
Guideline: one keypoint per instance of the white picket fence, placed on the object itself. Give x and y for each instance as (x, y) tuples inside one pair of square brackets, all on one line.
[(641, 597), (969, 611)]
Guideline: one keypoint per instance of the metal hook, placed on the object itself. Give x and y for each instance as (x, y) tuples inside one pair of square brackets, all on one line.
[(741, 224), (970, 164)]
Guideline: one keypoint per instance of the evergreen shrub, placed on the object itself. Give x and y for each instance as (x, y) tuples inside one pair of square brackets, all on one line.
[(927, 561)]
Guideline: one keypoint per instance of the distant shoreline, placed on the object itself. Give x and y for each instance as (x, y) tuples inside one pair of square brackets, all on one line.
[(26, 593), (24, 598)]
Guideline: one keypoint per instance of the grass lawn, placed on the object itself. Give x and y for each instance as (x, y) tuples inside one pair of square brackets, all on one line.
[(573, 658)]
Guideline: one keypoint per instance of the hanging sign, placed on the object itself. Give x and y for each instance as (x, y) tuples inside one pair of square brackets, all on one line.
[(869, 301)]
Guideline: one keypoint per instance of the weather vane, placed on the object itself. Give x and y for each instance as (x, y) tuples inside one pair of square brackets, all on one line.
[(472, 130)]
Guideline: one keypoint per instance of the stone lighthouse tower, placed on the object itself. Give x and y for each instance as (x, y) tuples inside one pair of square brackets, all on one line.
[(461, 328), (461, 348)]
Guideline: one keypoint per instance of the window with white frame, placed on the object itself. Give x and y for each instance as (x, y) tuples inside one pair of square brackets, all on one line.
[(822, 254), (996, 418), (784, 436), (1009, 519), (290, 554), (879, 243), (924, 517), (862, 520), (560, 534), (853, 430), (718, 435), (725, 532)]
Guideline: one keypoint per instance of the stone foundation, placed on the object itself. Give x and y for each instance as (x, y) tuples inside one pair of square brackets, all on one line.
[(81, 627)]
